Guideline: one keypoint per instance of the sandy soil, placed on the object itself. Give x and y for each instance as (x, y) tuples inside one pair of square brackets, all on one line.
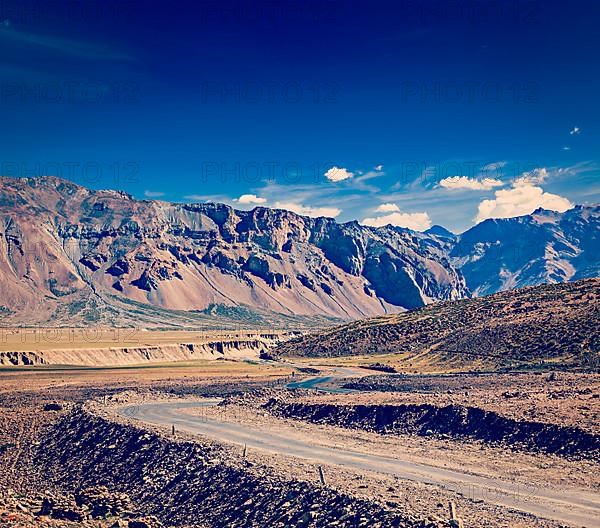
[(40, 338), (567, 399), (181, 374)]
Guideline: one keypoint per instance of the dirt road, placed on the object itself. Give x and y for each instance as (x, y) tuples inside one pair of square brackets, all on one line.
[(578, 508)]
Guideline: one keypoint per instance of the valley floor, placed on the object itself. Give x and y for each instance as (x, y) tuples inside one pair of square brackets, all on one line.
[(288, 434)]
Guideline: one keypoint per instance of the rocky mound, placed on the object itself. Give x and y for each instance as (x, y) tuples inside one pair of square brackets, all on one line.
[(454, 421), (557, 324), (188, 484)]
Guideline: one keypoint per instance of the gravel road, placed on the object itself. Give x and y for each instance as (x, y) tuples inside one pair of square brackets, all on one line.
[(578, 509)]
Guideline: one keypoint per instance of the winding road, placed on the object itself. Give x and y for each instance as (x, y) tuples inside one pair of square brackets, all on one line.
[(579, 509)]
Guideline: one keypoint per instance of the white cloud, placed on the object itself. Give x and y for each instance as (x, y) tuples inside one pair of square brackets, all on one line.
[(534, 177), (387, 208), (522, 199), (337, 174), (494, 166), (414, 221), (464, 182), (574, 131), (308, 210), (378, 167), (246, 199), (566, 148), (153, 194)]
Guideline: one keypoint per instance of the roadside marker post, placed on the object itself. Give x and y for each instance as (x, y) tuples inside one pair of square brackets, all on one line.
[(455, 522), (322, 475)]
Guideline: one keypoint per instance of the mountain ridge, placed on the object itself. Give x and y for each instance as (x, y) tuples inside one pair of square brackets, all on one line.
[(66, 249), (74, 255), (543, 247)]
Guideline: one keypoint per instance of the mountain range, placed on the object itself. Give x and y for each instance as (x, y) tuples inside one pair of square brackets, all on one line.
[(543, 247), (70, 255)]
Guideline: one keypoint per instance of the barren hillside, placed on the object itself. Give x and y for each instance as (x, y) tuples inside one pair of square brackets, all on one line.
[(556, 322)]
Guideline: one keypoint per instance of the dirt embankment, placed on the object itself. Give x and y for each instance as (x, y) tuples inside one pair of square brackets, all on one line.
[(565, 399), (186, 483), (454, 421), (235, 348)]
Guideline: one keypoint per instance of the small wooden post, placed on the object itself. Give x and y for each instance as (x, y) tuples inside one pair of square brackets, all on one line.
[(322, 475), (455, 522), (245, 450), (173, 430)]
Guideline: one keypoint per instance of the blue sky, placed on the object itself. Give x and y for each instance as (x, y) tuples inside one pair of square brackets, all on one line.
[(413, 113)]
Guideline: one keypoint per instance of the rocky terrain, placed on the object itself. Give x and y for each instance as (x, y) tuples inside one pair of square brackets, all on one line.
[(560, 398), (455, 421), (551, 413), (67, 458), (102, 257), (398, 435), (182, 481), (26, 500), (554, 324), (63, 465)]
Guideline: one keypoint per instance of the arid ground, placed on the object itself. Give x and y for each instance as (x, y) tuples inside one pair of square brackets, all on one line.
[(131, 446)]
